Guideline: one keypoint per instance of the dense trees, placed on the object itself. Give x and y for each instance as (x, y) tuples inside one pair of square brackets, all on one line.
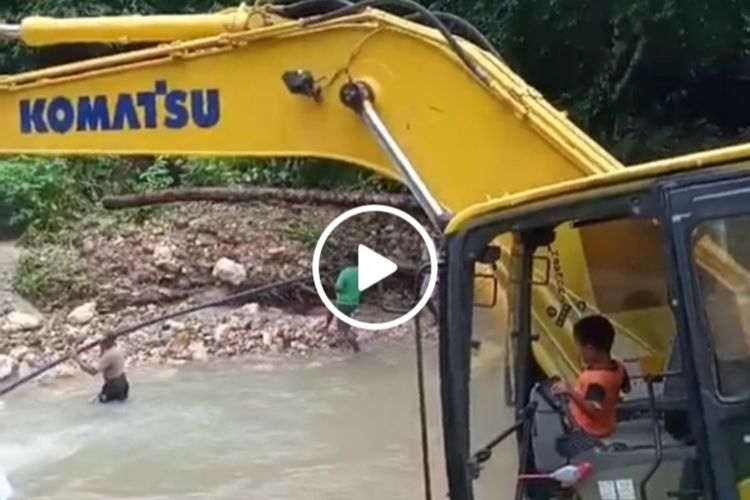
[(648, 78)]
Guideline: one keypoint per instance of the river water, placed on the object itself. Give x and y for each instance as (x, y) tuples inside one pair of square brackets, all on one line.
[(304, 430), (293, 430)]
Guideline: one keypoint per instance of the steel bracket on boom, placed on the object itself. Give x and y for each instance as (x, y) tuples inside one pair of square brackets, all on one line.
[(359, 97)]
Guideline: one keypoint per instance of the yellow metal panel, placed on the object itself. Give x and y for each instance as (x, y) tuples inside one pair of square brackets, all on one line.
[(616, 177), (40, 31), (744, 489), (470, 141)]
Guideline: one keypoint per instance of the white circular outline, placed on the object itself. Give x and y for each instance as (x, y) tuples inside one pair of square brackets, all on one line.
[(430, 250)]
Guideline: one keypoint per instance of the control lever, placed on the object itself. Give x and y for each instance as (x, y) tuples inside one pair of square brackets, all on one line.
[(485, 453)]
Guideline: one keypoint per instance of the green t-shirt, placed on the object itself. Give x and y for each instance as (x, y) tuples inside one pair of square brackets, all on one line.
[(347, 287)]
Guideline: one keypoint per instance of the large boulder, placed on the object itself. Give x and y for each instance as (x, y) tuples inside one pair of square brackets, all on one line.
[(82, 314), (20, 322), (229, 271)]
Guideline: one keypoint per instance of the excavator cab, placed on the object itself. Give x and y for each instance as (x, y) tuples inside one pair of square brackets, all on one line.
[(666, 259)]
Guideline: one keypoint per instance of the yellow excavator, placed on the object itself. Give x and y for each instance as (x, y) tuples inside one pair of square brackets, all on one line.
[(541, 226)]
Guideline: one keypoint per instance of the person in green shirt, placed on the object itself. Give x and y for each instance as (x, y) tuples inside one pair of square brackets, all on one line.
[(347, 300)]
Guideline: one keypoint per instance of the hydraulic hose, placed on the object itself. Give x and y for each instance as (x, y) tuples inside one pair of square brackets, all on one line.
[(353, 8)]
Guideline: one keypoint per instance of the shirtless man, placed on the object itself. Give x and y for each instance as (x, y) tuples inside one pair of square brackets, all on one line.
[(112, 367)]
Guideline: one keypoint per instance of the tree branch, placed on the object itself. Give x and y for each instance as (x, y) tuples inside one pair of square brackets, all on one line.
[(635, 59), (234, 195)]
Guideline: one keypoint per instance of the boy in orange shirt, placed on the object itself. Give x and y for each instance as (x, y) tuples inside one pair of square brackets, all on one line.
[(596, 394)]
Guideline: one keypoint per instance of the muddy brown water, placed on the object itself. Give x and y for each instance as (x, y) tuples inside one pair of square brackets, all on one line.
[(327, 429), (333, 428), (299, 430)]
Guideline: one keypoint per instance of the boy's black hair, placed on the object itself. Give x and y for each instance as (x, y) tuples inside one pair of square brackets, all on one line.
[(595, 331)]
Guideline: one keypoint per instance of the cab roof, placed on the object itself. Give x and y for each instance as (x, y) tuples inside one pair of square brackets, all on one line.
[(650, 172)]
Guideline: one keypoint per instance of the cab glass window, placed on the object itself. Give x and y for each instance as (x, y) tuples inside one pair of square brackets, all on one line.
[(616, 268), (721, 255), (491, 369)]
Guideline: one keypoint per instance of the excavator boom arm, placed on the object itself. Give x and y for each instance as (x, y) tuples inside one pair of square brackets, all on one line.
[(257, 84)]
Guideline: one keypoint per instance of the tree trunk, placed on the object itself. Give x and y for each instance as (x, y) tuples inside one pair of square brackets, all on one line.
[(244, 194)]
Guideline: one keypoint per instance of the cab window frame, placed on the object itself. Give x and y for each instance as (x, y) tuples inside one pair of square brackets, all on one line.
[(702, 216), (638, 199)]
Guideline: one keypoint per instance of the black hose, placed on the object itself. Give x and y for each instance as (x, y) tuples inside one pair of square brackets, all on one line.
[(307, 8), (523, 457), (467, 30), (421, 393), (422, 409), (144, 324), (410, 4)]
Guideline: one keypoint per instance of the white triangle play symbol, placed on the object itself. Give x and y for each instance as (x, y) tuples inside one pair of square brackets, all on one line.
[(372, 267)]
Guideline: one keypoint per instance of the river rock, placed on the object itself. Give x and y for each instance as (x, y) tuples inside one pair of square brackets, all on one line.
[(179, 343), (268, 336), (251, 309), (176, 326), (8, 367), (276, 253), (20, 322), (221, 332), (24, 369), (66, 370), (18, 353), (88, 246), (83, 313), (229, 271), (164, 258), (299, 346), (32, 359)]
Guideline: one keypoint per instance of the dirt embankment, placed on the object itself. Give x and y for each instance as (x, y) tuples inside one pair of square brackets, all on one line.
[(113, 270)]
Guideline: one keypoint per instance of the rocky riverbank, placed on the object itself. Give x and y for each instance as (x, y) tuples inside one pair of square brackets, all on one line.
[(249, 330), (118, 272)]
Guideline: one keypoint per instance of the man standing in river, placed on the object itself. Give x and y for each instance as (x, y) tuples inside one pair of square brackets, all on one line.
[(112, 367), (347, 300)]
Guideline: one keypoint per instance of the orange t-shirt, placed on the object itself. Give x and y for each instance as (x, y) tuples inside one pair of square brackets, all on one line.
[(601, 387)]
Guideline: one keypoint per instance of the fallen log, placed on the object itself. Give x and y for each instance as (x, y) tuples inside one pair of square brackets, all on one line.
[(233, 195)]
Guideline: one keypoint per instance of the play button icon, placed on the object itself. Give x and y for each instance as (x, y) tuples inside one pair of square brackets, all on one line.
[(373, 267), (386, 254)]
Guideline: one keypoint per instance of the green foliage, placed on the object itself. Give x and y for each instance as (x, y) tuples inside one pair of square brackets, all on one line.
[(51, 271), (155, 176), (283, 173), (48, 192), (646, 78), (304, 231)]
